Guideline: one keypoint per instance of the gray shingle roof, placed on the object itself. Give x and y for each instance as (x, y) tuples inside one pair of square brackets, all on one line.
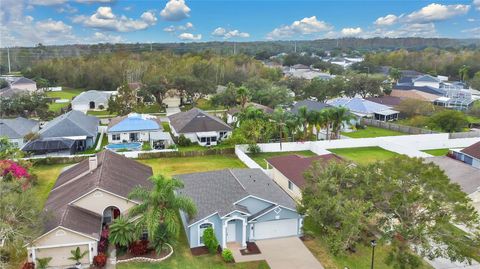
[(310, 105), (17, 128), (92, 95), (217, 191), (73, 123), (195, 120)]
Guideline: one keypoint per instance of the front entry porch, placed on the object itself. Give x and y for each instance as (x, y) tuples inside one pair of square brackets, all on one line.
[(234, 232)]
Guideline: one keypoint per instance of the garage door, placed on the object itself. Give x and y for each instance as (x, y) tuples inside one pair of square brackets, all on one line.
[(275, 228)]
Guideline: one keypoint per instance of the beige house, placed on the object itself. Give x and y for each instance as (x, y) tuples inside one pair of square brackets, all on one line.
[(288, 171), (84, 200)]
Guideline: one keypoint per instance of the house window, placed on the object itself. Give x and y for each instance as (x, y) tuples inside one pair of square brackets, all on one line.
[(202, 229), (203, 139), (116, 137), (213, 138), (290, 185)]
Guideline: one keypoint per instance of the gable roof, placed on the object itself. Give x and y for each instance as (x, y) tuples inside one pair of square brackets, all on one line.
[(390, 101), (218, 191), (73, 123), (134, 122), (473, 150), (310, 104), (467, 176), (294, 166), (22, 80), (92, 95), (195, 120), (114, 173), (426, 78), (17, 128), (358, 105)]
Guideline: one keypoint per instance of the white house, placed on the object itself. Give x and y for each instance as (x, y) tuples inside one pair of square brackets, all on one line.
[(469, 155), (17, 85), (426, 80), (92, 100), (16, 129), (138, 128), (199, 127)]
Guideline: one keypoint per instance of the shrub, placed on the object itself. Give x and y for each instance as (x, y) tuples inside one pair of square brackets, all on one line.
[(138, 247), (101, 107), (227, 255), (100, 260), (254, 149), (210, 240), (183, 141)]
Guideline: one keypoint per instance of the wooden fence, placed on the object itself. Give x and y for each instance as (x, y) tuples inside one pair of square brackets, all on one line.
[(396, 127)]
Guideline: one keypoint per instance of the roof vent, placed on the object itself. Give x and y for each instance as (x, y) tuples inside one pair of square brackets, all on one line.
[(92, 163)]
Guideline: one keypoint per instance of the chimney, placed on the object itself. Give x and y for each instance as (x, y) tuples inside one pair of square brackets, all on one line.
[(92, 163)]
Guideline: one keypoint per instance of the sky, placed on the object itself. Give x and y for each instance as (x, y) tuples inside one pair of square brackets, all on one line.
[(56, 22)]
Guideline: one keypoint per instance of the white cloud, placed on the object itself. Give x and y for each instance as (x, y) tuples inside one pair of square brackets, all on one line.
[(106, 38), (476, 3), (305, 26), (351, 31), (471, 20), (47, 2), (105, 19), (473, 32), (190, 37), (436, 12), (53, 26), (411, 30), (175, 10), (173, 28), (94, 1), (222, 32), (66, 9), (387, 20)]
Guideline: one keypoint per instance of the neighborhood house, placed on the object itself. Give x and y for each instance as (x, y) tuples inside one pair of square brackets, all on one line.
[(469, 155), (137, 128), (84, 200), (92, 100), (66, 134), (366, 109), (17, 85), (199, 127), (241, 205), (16, 130)]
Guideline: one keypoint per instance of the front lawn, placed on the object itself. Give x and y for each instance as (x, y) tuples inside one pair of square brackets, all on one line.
[(46, 177), (261, 157), (364, 155), (371, 131), (103, 113), (437, 152), (66, 93)]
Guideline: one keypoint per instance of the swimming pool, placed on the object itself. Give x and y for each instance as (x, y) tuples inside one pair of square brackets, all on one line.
[(124, 146)]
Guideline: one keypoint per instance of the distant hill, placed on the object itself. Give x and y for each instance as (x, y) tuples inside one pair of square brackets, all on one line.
[(24, 56)]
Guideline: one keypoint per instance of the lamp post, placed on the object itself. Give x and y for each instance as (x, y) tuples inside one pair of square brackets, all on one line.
[(373, 243)]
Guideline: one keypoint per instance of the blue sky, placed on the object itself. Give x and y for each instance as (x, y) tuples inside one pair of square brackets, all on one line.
[(28, 22)]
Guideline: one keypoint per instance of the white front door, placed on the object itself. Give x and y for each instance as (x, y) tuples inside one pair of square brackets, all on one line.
[(276, 228), (231, 232)]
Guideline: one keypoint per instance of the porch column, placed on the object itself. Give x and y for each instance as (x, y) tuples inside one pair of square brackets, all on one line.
[(224, 236), (34, 256), (90, 257), (244, 233)]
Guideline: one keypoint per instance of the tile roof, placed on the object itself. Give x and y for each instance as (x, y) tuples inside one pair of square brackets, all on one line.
[(473, 150), (17, 128), (195, 120), (294, 166), (310, 104), (73, 123), (467, 176), (217, 191), (114, 173)]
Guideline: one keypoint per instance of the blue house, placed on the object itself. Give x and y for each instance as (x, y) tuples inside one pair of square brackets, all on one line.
[(241, 205)]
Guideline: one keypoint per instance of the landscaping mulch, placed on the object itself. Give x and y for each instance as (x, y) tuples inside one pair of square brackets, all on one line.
[(199, 251), (152, 254), (251, 249)]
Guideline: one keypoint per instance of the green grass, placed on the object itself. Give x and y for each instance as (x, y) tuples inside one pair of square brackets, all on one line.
[(364, 155), (184, 165), (92, 149), (155, 108), (66, 93), (46, 177), (437, 152), (166, 127), (203, 104), (261, 157), (371, 131), (197, 147)]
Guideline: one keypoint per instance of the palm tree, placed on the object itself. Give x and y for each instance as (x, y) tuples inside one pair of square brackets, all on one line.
[(292, 123), (159, 206), (395, 74), (320, 121), (340, 116), (463, 72), (303, 118), (280, 117), (327, 115), (243, 95), (311, 120), (122, 232), (77, 255), (42, 263), (251, 113)]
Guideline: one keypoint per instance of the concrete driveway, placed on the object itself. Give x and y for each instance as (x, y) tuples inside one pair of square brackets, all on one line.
[(287, 253)]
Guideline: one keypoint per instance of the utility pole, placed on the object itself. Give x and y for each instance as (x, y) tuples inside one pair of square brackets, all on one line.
[(234, 48), (295, 49), (8, 55), (150, 46)]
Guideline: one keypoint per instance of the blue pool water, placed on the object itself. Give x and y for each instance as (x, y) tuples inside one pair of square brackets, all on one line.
[(127, 146)]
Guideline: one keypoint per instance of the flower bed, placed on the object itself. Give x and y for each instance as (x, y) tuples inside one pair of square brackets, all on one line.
[(251, 249), (151, 256)]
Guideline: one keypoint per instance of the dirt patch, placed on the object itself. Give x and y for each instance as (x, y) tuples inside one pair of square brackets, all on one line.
[(251, 249), (151, 254)]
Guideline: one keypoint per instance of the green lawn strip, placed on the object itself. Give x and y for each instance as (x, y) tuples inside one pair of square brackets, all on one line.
[(371, 131), (66, 93), (55, 107), (364, 155), (437, 152), (46, 177), (166, 127), (261, 157), (196, 147)]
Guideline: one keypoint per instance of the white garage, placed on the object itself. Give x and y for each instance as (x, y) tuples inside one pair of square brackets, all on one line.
[(275, 228)]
